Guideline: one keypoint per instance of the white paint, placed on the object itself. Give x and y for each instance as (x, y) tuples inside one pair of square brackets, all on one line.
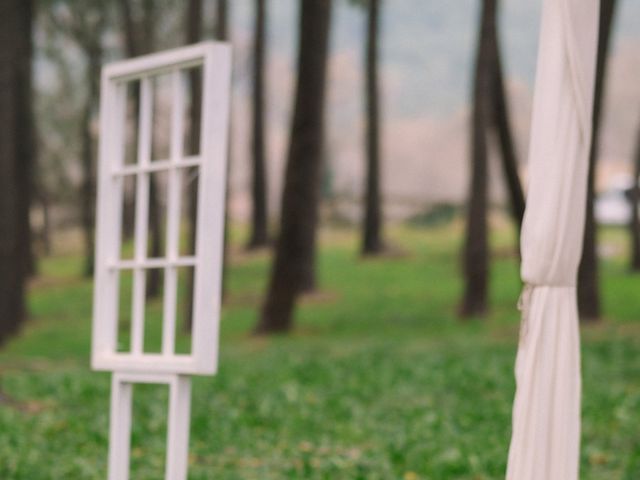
[(177, 429), (545, 441), (214, 58), (166, 367)]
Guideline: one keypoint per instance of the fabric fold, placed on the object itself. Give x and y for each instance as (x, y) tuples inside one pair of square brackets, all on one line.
[(546, 413)]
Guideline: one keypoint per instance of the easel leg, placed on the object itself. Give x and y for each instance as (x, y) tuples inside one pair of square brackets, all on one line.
[(177, 460), (178, 429), (119, 429)]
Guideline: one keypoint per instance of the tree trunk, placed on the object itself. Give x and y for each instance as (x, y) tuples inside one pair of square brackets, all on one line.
[(194, 34), (634, 224), (16, 119), (476, 250), (505, 136), (222, 21), (131, 49), (154, 275), (259, 223), (87, 187), (93, 55), (296, 243), (588, 285), (140, 40), (222, 34), (26, 149), (372, 237), (129, 28), (45, 206)]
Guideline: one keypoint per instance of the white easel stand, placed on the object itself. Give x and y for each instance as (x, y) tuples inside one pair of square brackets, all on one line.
[(178, 424)]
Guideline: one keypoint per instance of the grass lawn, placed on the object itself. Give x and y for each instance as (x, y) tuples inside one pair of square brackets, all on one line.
[(379, 380)]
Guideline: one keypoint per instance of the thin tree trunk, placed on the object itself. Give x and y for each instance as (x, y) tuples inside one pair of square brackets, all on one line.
[(296, 243), (86, 190), (588, 284), (194, 34), (27, 154), (222, 21), (259, 224), (140, 40), (129, 28), (46, 223), (634, 197), (505, 136), (222, 34), (476, 250), (154, 275), (131, 48), (94, 58), (16, 120), (372, 237)]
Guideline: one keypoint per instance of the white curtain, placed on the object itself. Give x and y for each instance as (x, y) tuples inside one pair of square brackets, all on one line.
[(545, 441)]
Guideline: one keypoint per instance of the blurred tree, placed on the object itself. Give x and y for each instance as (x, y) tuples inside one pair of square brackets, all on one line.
[(16, 158), (139, 26), (476, 250), (634, 198), (491, 111), (293, 265), (26, 141), (221, 30), (57, 124), (588, 284), (372, 242), (139, 36), (372, 227), (259, 217), (502, 125), (221, 33), (85, 22), (193, 35)]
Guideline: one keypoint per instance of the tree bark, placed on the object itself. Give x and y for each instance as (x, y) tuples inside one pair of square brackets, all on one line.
[(294, 258), (476, 249), (93, 55), (505, 136), (131, 49), (129, 28), (87, 187), (46, 223), (27, 149), (588, 284), (154, 275), (634, 197), (259, 223), (16, 119), (139, 36), (194, 34), (222, 34), (222, 21), (372, 227)]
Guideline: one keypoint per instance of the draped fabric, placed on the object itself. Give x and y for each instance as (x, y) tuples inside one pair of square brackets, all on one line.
[(545, 441)]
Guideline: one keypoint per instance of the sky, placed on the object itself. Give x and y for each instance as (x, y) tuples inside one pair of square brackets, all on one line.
[(427, 45), (427, 51)]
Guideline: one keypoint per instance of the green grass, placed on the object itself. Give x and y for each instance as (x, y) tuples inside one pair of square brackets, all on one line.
[(379, 380)]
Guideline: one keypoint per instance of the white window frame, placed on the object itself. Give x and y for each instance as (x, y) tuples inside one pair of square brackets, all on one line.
[(215, 60), (120, 419)]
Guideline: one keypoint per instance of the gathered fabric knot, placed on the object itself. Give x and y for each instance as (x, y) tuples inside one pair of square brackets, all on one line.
[(524, 305)]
